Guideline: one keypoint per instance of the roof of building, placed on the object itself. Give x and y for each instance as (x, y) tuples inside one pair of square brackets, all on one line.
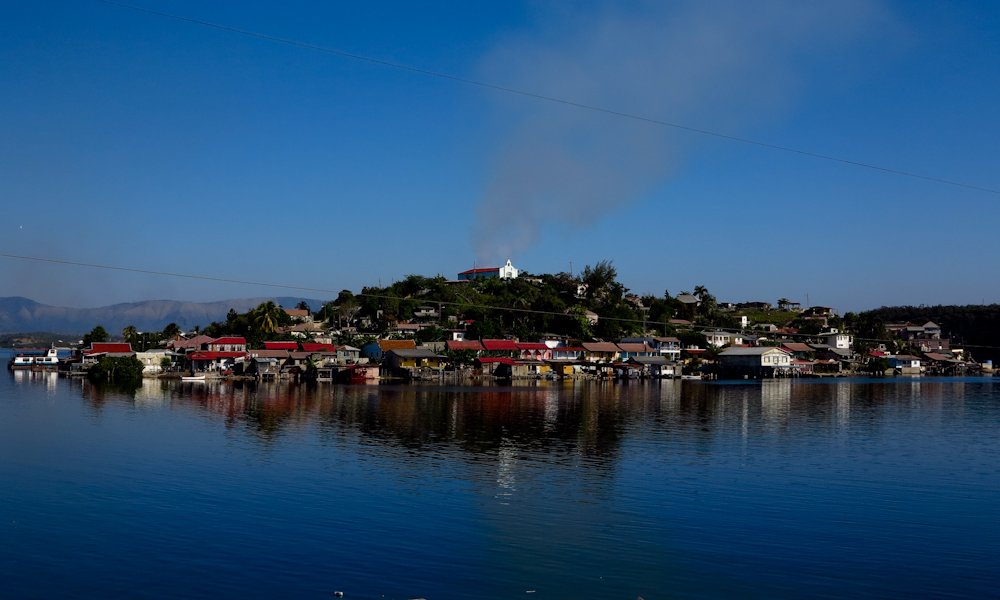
[(797, 347), (668, 339), (465, 345), (688, 298), (751, 351), (194, 342), (600, 347), (415, 353), (386, 345), (486, 270), (569, 349), (408, 326), (492, 359), (228, 340), (936, 356), (102, 347), (906, 357), (281, 345), (313, 347), (650, 360), (530, 346), (631, 347), (297, 312), (206, 355), (270, 353), (306, 327), (680, 322), (499, 345)]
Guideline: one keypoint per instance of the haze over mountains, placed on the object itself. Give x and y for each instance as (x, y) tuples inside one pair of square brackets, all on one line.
[(23, 315)]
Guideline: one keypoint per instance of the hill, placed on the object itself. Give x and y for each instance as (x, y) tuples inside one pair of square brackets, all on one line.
[(20, 315)]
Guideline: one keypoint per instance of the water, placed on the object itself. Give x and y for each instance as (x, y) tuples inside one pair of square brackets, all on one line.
[(780, 489)]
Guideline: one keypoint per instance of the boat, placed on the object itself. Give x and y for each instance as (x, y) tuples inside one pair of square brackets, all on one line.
[(21, 361), (49, 362), (194, 378), (691, 377)]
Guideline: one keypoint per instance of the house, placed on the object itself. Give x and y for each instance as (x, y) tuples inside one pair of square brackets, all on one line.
[(406, 328), (689, 300), (227, 344), (501, 348), (317, 347), (721, 338), (305, 330), (348, 354), (152, 360), (99, 350), (537, 351), (473, 345), (799, 350), (378, 349), (656, 366), (568, 353), (628, 350), (297, 314), (207, 360), (410, 358), (187, 346), (787, 306), (905, 364), (754, 306), (742, 320), (602, 351), (263, 368), (508, 271), (666, 346), (754, 362), (838, 339)]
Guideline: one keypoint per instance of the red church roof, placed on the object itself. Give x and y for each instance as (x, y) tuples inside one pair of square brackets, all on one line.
[(472, 271)]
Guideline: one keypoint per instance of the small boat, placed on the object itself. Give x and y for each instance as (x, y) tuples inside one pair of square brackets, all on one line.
[(194, 378), (691, 377)]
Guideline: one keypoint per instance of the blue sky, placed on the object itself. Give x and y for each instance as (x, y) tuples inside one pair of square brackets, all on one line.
[(145, 142)]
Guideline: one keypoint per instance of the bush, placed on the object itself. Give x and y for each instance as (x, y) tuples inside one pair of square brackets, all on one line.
[(117, 368)]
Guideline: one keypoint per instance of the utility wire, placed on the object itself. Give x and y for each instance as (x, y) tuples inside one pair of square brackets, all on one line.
[(465, 305), (549, 98)]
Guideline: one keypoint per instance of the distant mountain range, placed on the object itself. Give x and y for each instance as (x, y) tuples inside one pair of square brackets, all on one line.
[(22, 315)]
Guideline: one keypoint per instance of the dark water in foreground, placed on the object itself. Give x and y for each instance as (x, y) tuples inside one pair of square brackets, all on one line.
[(853, 489)]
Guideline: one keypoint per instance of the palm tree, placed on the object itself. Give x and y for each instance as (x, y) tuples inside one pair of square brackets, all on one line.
[(700, 290), (266, 316), (130, 333)]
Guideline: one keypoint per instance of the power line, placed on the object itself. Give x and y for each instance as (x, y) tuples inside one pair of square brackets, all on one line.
[(466, 305), (550, 98)]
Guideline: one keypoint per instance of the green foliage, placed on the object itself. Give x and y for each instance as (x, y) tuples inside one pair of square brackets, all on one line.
[(171, 330), (430, 334), (117, 368), (877, 365), (775, 317), (98, 334), (460, 358)]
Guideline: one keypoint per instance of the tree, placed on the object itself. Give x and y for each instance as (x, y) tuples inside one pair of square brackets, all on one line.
[(117, 368), (98, 334), (266, 316), (599, 278), (171, 330), (303, 306), (130, 333)]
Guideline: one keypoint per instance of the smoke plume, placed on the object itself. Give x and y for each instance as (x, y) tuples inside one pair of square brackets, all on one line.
[(714, 64)]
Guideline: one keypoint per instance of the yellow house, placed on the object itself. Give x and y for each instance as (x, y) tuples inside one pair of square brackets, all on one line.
[(416, 357)]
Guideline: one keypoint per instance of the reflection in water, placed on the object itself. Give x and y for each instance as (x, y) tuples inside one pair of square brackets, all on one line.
[(848, 488)]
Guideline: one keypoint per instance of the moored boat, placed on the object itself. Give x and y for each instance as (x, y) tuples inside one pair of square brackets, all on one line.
[(194, 378)]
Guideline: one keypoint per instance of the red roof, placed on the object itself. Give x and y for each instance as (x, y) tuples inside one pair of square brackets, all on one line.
[(569, 349), (312, 347), (229, 340), (877, 353), (521, 346), (99, 347), (499, 345), (281, 345), (465, 345), (471, 271), (506, 361), (205, 355)]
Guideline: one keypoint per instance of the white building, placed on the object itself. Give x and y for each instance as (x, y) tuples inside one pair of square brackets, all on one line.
[(839, 340), (508, 271), (721, 338)]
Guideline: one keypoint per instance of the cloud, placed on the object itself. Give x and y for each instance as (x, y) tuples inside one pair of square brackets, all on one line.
[(722, 65)]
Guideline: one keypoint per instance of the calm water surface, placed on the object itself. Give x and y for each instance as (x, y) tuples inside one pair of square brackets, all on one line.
[(780, 489)]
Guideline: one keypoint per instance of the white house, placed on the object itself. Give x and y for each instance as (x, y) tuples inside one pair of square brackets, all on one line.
[(721, 338), (839, 339), (762, 361), (742, 320)]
